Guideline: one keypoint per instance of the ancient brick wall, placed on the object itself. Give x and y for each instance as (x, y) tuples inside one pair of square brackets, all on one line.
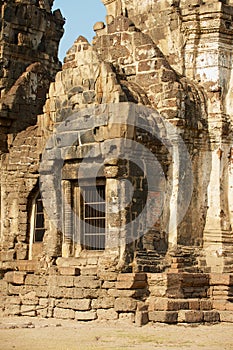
[(140, 86), (125, 65), (137, 298)]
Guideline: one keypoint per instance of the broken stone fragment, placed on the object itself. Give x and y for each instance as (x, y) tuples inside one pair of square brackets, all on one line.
[(98, 26)]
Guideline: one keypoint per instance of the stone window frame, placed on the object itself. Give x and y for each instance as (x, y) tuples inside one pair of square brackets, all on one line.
[(33, 222)]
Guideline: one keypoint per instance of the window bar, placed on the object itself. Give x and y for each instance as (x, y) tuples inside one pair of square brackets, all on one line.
[(94, 218)]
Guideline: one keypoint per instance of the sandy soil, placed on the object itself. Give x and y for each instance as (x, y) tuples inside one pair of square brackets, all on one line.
[(30, 333)]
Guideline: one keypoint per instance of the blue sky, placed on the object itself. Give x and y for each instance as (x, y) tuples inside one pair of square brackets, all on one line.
[(80, 16)]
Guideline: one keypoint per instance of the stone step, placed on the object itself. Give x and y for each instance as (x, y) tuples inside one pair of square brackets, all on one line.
[(149, 268), (184, 316), (148, 254), (148, 262), (168, 304)]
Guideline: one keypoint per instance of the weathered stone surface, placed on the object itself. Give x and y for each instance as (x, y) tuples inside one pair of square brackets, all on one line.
[(36, 280), (12, 310), (75, 304), (109, 285), (15, 277), (126, 293), (226, 316), (28, 310), (163, 316), (69, 271), (89, 271), (141, 318), (103, 303), (127, 316), (131, 281), (64, 281), (63, 313), (87, 282), (85, 315), (170, 305), (125, 304), (107, 314), (211, 316), (30, 299), (190, 316)]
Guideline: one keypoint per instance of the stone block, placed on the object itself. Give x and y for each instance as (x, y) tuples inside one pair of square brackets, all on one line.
[(125, 304), (144, 52), (103, 303), (108, 285), (16, 289), (193, 304), (163, 316), (42, 311), (211, 316), (157, 291), (44, 302), (58, 292), (141, 318), (226, 316), (30, 299), (15, 277), (127, 316), (27, 265), (74, 293), (164, 304), (42, 291), (93, 260), (221, 279), (205, 305), (28, 310), (86, 315), (13, 300), (107, 314), (35, 280), (131, 284), (190, 316), (195, 280), (69, 271), (21, 248), (131, 276), (75, 304), (131, 281), (3, 287), (159, 280), (90, 282), (89, 271), (121, 293), (65, 281), (219, 305), (92, 293), (63, 313), (107, 275), (7, 255), (147, 65), (12, 310)]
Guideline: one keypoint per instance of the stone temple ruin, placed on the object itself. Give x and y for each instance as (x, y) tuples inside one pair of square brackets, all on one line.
[(116, 180)]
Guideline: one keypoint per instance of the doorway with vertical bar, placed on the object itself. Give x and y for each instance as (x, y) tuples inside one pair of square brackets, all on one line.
[(93, 217)]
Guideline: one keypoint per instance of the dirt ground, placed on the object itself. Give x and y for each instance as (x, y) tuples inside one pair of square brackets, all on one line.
[(26, 333)]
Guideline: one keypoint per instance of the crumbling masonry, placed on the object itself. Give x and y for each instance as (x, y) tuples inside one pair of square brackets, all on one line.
[(116, 180)]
